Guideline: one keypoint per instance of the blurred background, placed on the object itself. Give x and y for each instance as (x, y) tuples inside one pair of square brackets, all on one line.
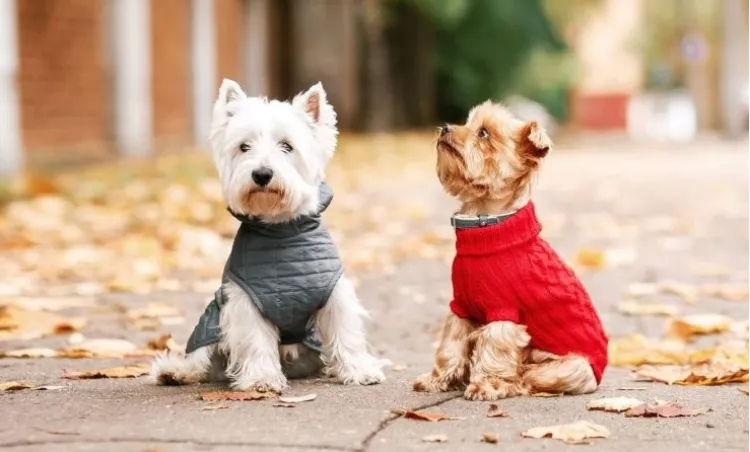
[(83, 79)]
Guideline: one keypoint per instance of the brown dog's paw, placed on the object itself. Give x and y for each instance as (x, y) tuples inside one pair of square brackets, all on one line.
[(492, 389), (428, 383)]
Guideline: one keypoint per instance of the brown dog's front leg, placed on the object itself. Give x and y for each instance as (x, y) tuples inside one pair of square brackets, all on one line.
[(451, 369)]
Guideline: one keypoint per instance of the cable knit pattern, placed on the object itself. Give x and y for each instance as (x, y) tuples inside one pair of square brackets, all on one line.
[(506, 272)]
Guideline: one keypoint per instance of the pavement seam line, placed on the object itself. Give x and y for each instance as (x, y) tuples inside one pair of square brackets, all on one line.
[(23, 443), (392, 417)]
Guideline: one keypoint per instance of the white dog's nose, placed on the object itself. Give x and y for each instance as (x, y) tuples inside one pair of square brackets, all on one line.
[(262, 176)]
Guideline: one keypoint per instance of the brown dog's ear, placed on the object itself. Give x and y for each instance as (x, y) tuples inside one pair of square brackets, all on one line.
[(533, 140)]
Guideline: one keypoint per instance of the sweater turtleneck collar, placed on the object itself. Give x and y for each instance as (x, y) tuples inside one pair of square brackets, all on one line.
[(521, 227)]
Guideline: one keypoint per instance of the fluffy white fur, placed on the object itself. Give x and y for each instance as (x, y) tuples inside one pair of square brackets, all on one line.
[(249, 354)]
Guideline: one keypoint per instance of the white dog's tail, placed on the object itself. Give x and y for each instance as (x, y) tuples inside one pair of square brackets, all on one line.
[(170, 369)]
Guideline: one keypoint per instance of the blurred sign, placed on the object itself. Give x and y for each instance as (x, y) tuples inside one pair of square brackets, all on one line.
[(694, 48)]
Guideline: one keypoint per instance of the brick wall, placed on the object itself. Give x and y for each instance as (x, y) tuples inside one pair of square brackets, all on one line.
[(63, 95), (229, 16), (170, 53)]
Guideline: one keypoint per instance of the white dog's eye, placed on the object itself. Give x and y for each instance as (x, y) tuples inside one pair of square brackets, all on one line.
[(244, 147), (483, 133), (286, 147)]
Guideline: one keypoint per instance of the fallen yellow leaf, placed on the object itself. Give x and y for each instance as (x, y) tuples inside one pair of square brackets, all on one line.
[(13, 386), (30, 353), (591, 258), (700, 375), (21, 324), (731, 292), (132, 371), (577, 432), (613, 404), (697, 324), (634, 308)]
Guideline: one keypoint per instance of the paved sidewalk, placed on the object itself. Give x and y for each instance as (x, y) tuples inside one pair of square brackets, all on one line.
[(674, 209)]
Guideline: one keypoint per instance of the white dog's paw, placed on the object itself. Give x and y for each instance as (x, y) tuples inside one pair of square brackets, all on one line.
[(260, 384), (361, 370), (172, 370)]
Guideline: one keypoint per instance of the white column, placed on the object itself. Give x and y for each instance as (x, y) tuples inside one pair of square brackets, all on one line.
[(256, 47), (203, 62), (131, 58), (734, 67), (11, 150)]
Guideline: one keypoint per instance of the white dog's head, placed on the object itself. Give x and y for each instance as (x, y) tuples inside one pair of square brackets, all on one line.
[(271, 155)]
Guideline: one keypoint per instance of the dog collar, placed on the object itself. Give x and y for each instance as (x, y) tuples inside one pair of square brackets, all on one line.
[(479, 221)]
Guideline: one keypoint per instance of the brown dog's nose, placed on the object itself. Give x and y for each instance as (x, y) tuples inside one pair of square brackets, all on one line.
[(445, 130)]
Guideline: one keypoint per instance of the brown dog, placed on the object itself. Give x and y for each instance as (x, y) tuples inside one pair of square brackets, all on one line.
[(521, 321)]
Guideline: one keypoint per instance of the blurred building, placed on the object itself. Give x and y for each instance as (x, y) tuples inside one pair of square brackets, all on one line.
[(99, 77)]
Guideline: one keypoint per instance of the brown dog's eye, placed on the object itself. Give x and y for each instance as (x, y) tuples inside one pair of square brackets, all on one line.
[(483, 133), (286, 147)]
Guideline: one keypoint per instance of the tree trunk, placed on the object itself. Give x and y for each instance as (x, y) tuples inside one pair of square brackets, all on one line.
[(379, 110)]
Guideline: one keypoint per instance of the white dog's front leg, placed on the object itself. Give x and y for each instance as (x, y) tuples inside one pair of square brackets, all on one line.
[(341, 325), (251, 344)]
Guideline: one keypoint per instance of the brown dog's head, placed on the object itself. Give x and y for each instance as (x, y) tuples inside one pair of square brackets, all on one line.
[(493, 157)]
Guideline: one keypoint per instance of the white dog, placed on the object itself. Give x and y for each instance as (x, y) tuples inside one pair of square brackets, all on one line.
[(283, 282)]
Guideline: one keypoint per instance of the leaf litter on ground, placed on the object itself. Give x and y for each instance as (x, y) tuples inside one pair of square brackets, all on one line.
[(298, 399), (578, 432), (495, 411), (422, 415), (236, 396), (130, 371), (613, 404), (666, 410)]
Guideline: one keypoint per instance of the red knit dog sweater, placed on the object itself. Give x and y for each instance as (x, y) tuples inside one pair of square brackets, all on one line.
[(506, 272)]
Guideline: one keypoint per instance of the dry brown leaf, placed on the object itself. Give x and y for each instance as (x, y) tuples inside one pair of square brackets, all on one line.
[(298, 399), (30, 353), (701, 375), (634, 308), (688, 292), (163, 342), (237, 396), (577, 432), (215, 407), (47, 388), (636, 350), (154, 310), (437, 438), (490, 438), (421, 415), (13, 386), (731, 292), (105, 348), (132, 371), (22, 324), (49, 303), (496, 411), (744, 390), (591, 258), (686, 327), (613, 404), (547, 394), (671, 409)]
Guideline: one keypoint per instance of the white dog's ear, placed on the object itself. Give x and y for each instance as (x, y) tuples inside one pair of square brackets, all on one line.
[(314, 103), (229, 92)]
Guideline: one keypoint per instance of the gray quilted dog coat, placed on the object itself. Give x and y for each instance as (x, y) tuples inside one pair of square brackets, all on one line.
[(288, 270)]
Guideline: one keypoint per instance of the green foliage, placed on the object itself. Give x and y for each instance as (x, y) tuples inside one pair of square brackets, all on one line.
[(495, 48)]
